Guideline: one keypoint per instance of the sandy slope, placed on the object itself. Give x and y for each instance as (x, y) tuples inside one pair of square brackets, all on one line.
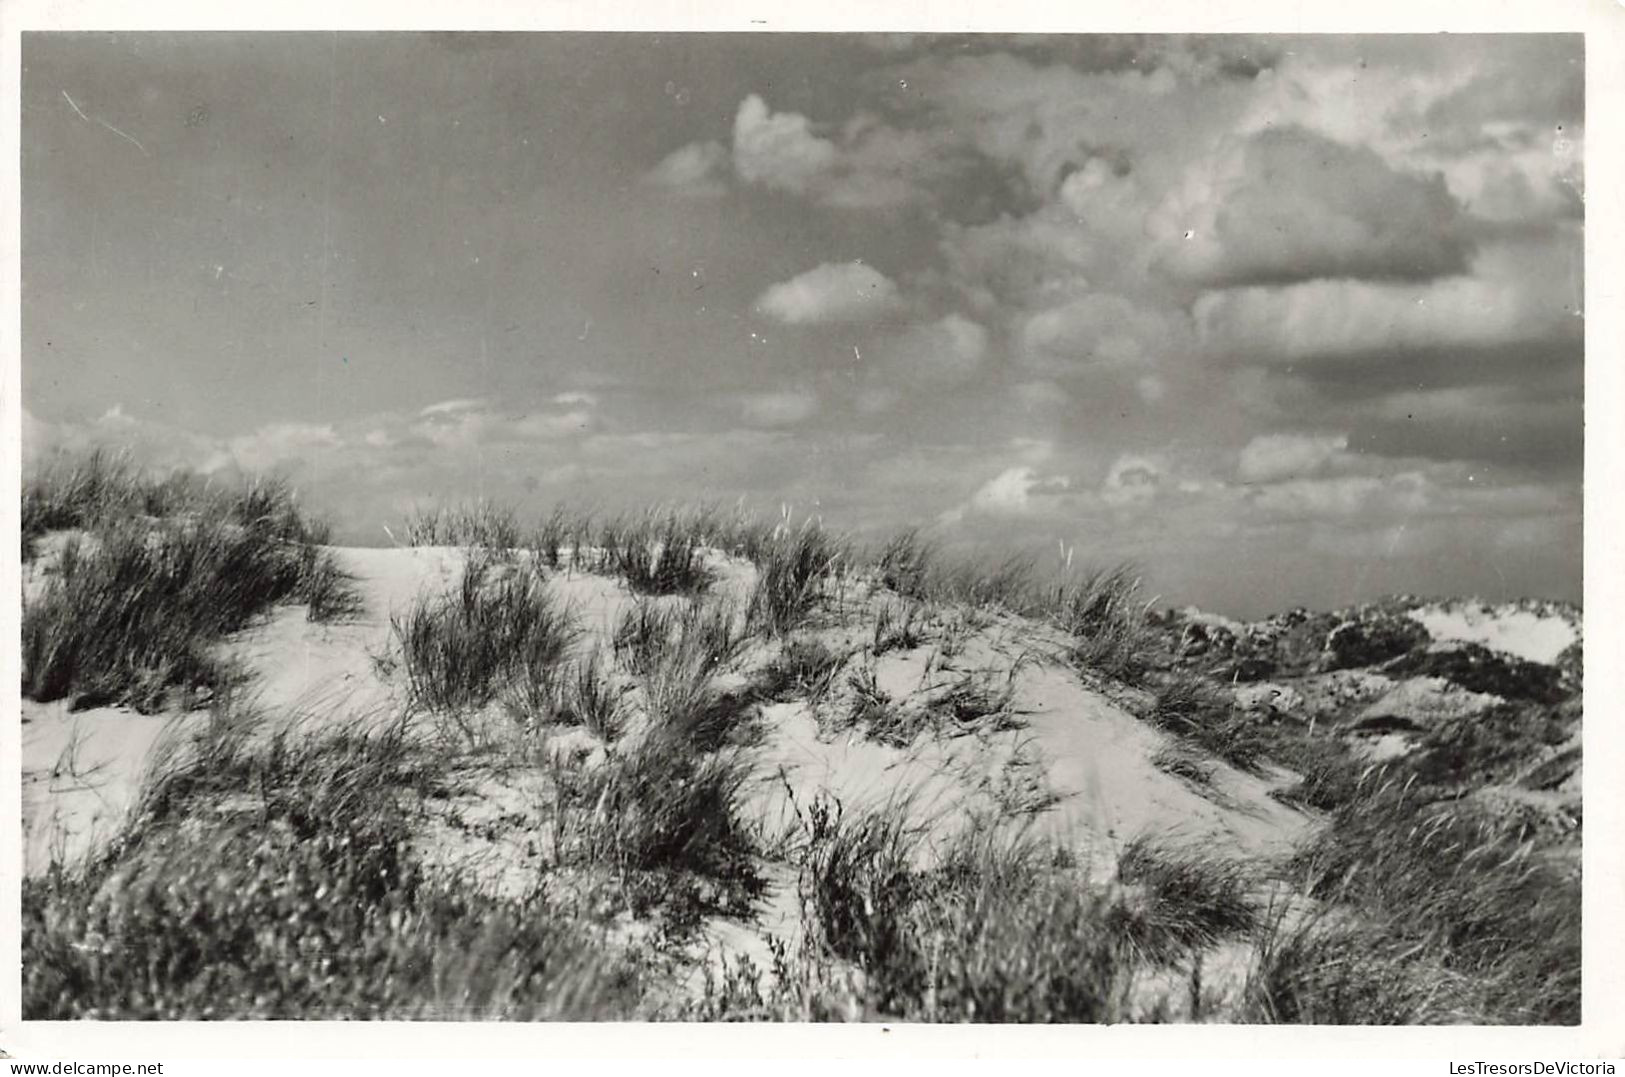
[(81, 769), (1079, 768)]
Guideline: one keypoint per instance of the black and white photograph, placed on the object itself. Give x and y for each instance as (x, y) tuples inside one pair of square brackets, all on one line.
[(709, 526)]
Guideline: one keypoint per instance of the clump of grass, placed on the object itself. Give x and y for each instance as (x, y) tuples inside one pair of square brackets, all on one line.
[(556, 539), (327, 590), (1330, 775), (1467, 892), (71, 492), (1184, 765), (897, 630), (1007, 585), (676, 651), (791, 569), (1105, 614), (1494, 745), (269, 876), (805, 668), (480, 524), (905, 564), (658, 554), (662, 815), (1189, 899), (992, 932), (856, 883), (497, 631), (102, 488), (652, 635), (872, 710), (975, 702), (590, 698), (1324, 970), (138, 611), (1201, 714)]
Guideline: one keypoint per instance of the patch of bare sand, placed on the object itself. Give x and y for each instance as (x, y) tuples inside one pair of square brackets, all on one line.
[(1538, 636), (81, 772)]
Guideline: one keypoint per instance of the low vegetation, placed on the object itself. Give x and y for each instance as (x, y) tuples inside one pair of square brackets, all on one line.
[(805, 668), (1201, 714), (589, 696), (792, 566), (134, 607), (1105, 614), (499, 632), (663, 817), (277, 867), (493, 529), (267, 875), (1183, 899), (1471, 896), (988, 926), (657, 553)]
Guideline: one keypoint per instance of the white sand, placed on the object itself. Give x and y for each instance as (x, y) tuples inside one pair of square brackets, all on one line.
[(1075, 743), (1536, 637)]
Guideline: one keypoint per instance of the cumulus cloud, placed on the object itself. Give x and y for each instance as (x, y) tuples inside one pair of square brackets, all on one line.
[(1012, 492), (783, 408), (1132, 480), (697, 170), (1274, 457), (832, 293), (778, 149), (279, 443), (864, 164), (1287, 204), (150, 442), (463, 423)]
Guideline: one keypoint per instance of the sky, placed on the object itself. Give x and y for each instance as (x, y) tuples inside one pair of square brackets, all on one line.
[(1283, 320)]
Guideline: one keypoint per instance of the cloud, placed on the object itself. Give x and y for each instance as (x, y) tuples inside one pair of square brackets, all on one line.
[(1274, 457), (1408, 492), (1133, 479), (865, 164), (548, 427), (784, 408), (1287, 204), (279, 443), (463, 423), (1502, 424), (949, 351), (1011, 492), (151, 443), (832, 293), (697, 170), (453, 407), (778, 149), (1515, 295), (1100, 330)]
